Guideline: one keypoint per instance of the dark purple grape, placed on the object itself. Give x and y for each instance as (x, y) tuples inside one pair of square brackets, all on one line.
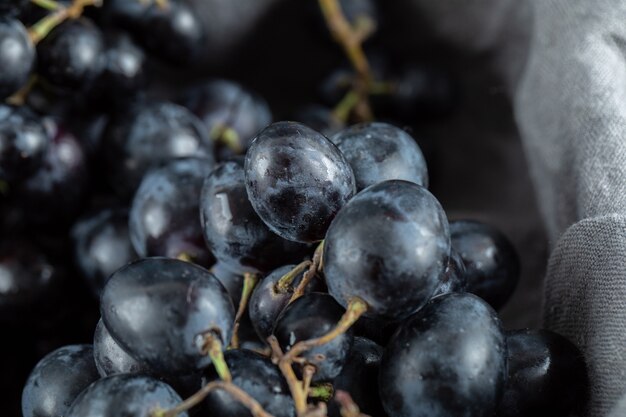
[(297, 180), (70, 57), (268, 301), (379, 151), (449, 359), (124, 395), (310, 316), (164, 217), (12, 7), (149, 135), (256, 375), (23, 143), (388, 246), (226, 108), (453, 279), (232, 281), (160, 309), (491, 262), (56, 192), (543, 367), (233, 231), (102, 246), (359, 378), (17, 56), (57, 380), (110, 358), (173, 34), (319, 118)]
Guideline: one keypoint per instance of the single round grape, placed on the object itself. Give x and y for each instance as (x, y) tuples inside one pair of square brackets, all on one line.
[(57, 380), (389, 246), (256, 375), (164, 217), (224, 105), (379, 151), (449, 359), (359, 378), (491, 262), (17, 56), (147, 136), (124, 395), (543, 366), (233, 231), (268, 301), (111, 358), (319, 118), (453, 279), (71, 55), (102, 246), (160, 309), (311, 316), (23, 143), (232, 281), (297, 180)]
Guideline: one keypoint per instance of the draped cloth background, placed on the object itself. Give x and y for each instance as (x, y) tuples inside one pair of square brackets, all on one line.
[(563, 65)]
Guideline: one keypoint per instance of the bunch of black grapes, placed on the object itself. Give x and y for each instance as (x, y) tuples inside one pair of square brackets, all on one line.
[(217, 242)]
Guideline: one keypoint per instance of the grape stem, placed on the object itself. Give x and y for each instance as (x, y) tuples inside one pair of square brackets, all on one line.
[(284, 283), (324, 391), (237, 393), (347, 406), (42, 28), (307, 375), (47, 4), (249, 282), (212, 346), (314, 267)]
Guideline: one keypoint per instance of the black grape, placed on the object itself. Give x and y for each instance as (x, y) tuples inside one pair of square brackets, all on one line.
[(146, 136), (233, 231), (23, 143), (124, 395), (57, 380), (164, 217), (256, 375), (71, 55), (310, 316), (453, 278), (297, 180), (389, 246), (159, 309), (231, 280), (102, 246), (547, 376), (491, 262), (12, 7), (267, 301), (449, 359), (379, 151), (17, 56), (222, 105), (110, 358)]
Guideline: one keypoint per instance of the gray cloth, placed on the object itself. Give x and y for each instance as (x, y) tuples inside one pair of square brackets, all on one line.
[(564, 66)]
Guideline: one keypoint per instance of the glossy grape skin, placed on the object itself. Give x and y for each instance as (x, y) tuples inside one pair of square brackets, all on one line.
[(389, 246), (310, 316), (491, 262), (158, 305), (543, 366), (234, 232), (319, 118), (257, 376), (71, 55), (453, 278), (163, 219), (148, 135), (63, 172), (266, 302), (57, 380), (379, 151), (124, 395), (225, 104), (297, 180), (449, 359), (102, 246), (110, 358), (17, 56), (232, 281), (12, 7), (173, 34), (359, 377), (23, 142)]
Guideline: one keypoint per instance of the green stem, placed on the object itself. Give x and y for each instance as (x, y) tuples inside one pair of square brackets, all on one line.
[(323, 391), (344, 108), (249, 282), (213, 348), (47, 4), (284, 283)]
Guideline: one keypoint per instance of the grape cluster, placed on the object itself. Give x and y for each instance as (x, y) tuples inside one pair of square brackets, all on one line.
[(244, 267)]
